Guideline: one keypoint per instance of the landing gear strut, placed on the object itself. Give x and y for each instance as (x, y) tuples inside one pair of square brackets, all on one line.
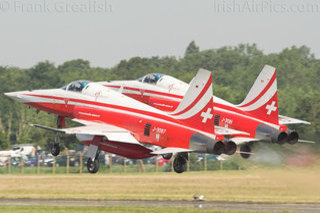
[(55, 148), (93, 165), (180, 162)]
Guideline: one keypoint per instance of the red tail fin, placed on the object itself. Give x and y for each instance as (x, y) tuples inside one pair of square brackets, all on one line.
[(262, 100), (196, 108)]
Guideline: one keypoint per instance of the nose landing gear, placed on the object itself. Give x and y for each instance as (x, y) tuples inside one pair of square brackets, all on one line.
[(55, 148)]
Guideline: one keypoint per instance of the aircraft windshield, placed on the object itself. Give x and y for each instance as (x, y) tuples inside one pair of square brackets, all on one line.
[(152, 78), (76, 86)]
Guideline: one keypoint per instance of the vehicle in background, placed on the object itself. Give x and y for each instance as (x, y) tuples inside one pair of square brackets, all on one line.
[(45, 160), (17, 151), (61, 160), (24, 149), (32, 160), (17, 161)]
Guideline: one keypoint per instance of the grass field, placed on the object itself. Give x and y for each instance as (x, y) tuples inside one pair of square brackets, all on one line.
[(287, 184), (111, 210)]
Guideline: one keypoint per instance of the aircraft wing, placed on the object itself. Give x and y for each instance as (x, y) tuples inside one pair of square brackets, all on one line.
[(287, 120), (241, 140), (219, 130), (113, 133), (170, 150)]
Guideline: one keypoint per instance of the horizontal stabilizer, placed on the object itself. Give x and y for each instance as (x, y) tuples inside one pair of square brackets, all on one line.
[(219, 130), (170, 150), (247, 153), (287, 120), (305, 141)]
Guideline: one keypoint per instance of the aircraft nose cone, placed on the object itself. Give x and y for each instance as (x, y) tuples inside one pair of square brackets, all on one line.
[(14, 95)]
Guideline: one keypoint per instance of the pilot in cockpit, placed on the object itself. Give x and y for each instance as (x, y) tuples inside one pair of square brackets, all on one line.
[(76, 86), (151, 78)]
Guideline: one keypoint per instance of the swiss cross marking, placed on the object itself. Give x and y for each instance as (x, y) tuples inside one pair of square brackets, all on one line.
[(271, 107), (206, 115)]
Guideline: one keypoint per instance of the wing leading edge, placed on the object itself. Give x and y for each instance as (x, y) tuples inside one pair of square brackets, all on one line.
[(112, 133)]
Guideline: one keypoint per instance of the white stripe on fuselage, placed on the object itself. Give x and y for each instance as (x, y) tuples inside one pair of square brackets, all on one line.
[(226, 103), (49, 100), (246, 116)]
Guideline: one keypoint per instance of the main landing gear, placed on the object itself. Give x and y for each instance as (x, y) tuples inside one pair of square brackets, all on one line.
[(245, 150), (93, 155), (180, 162), (93, 165)]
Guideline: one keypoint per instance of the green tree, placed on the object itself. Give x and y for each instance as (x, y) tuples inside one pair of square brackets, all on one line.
[(192, 49)]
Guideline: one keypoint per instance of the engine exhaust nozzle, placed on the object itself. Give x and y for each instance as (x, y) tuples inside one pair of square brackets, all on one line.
[(293, 137), (204, 144), (230, 148)]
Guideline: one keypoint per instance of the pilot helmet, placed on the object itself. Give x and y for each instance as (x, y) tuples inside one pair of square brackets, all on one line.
[(158, 76), (83, 84)]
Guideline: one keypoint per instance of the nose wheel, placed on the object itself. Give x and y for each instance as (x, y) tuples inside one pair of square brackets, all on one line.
[(55, 148)]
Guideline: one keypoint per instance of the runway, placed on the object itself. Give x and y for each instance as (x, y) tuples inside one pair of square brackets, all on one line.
[(239, 206)]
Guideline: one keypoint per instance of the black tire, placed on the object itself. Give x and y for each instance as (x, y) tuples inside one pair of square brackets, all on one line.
[(180, 164), (93, 166), (167, 156), (55, 149), (245, 148)]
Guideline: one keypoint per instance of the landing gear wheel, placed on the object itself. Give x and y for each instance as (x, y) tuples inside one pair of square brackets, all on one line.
[(167, 156), (245, 151), (93, 166), (180, 164), (55, 149)]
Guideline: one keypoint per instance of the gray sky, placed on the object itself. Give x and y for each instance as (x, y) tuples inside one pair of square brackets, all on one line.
[(104, 32)]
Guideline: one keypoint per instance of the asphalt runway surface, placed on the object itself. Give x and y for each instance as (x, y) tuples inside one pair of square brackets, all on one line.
[(239, 206)]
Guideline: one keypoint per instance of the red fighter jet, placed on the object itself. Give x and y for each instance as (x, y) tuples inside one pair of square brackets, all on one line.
[(256, 117), (118, 124)]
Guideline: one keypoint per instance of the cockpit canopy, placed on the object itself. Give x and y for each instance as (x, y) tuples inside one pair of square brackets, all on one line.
[(151, 78), (76, 86), (166, 82)]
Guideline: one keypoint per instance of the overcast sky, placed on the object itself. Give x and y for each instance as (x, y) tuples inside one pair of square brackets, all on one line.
[(104, 32)]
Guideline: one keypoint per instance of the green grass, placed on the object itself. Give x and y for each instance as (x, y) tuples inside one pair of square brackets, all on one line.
[(15, 170), (285, 184), (26, 209)]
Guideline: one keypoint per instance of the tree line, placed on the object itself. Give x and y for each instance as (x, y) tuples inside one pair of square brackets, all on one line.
[(234, 71)]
